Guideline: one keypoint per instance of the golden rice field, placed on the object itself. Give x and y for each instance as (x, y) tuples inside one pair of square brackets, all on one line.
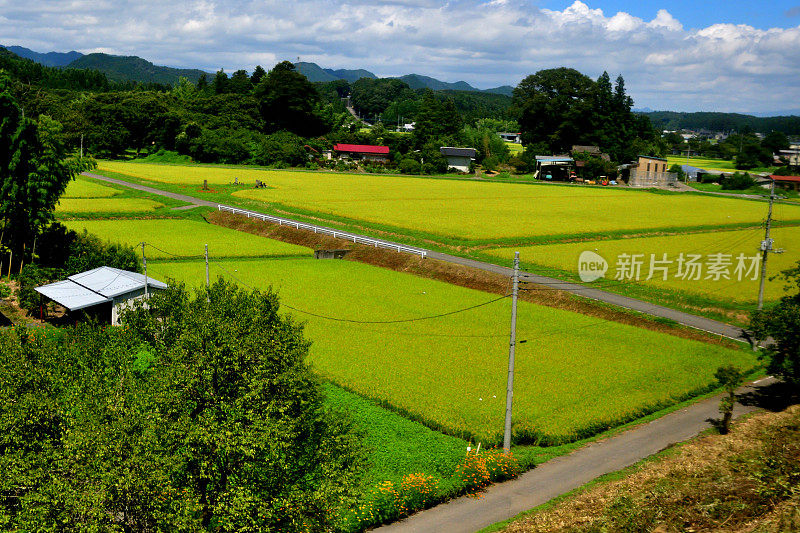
[(705, 163), (186, 238), (575, 372), (564, 257), (106, 205), (463, 209), (83, 187)]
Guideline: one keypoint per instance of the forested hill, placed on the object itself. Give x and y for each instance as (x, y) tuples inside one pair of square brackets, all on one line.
[(50, 59), (671, 120), (132, 68)]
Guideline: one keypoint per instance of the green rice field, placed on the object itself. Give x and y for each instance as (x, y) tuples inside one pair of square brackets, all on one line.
[(106, 205), (184, 237), (574, 374), (462, 209), (705, 163), (558, 259), (83, 187)]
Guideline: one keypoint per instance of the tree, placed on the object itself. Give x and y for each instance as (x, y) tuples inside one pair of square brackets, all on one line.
[(782, 323), (34, 172), (559, 108), (436, 119), (729, 378), (554, 107), (287, 101), (240, 82), (258, 75), (775, 141), (199, 415), (220, 84)]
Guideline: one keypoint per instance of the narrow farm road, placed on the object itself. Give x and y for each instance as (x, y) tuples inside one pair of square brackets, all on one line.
[(687, 319), (563, 474)]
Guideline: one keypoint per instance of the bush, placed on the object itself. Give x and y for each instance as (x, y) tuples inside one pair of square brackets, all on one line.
[(738, 182), (200, 414), (409, 166), (33, 276), (87, 251)]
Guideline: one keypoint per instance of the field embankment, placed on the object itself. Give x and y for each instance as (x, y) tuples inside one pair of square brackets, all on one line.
[(745, 481)]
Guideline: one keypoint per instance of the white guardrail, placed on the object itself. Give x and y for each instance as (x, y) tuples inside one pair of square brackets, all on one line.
[(327, 231)]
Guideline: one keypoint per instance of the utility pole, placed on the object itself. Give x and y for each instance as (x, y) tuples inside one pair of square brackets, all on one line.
[(766, 248), (144, 262), (207, 278), (208, 283), (511, 345), (81, 145)]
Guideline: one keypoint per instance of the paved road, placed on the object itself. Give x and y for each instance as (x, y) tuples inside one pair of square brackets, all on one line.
[(563, 474), (687, 319)]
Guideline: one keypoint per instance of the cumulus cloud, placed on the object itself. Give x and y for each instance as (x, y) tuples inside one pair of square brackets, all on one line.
[(485, 42)]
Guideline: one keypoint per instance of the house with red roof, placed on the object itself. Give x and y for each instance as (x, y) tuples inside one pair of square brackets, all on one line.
[(362, 152), (787, 182)]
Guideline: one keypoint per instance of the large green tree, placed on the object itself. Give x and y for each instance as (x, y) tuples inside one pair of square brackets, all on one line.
[(559, 108), (782, 324), (34, 172), (199, 415), (288, 101)]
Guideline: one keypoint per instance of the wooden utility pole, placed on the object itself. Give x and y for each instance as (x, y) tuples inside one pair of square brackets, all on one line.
[(144, 262), (511, 345), (766, 247), (207, 278)]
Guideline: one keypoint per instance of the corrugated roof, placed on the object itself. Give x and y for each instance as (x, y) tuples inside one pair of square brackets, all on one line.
[(112, 282), (792, 179), (361, 148), (552, 159), (96, 286), (71, 295), (458, 152)]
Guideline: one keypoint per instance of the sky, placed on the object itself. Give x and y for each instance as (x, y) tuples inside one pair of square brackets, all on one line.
[(704, 55)]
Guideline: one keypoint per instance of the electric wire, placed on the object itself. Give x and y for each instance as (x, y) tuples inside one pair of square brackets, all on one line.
[(353, 321)]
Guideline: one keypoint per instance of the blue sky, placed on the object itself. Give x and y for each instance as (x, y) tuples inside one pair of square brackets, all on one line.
[(705, 55), (704, 13)]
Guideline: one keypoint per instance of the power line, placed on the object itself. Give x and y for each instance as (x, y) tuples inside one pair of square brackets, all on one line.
[(353, 321)]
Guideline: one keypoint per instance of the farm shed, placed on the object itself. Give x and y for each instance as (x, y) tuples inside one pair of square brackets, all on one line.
[(511, 137), (101, 291), (458, 158), (787, 182), (364, 152), (651, 171), (553, 167)]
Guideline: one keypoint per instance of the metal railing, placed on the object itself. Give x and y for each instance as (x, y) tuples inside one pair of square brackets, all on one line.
[(327, 231)]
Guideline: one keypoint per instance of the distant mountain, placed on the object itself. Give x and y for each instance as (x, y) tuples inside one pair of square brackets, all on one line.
[(418, 81), (506, 90), (350, 75), (132, 68), (315, 73), (50, 59), (730, 122)]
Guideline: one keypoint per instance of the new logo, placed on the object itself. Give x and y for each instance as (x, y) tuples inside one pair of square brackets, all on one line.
[(591, 266)]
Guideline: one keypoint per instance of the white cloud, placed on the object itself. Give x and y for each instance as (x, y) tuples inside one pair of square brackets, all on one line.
[(485, 42)]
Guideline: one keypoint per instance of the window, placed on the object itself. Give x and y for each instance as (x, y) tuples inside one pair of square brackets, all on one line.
[(648, 167)]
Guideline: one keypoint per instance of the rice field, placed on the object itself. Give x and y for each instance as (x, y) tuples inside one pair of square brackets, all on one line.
[(466, 210), (575, 373), (706, 163), (94, 206), (730, 284), (186, 238), (82, 187)]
